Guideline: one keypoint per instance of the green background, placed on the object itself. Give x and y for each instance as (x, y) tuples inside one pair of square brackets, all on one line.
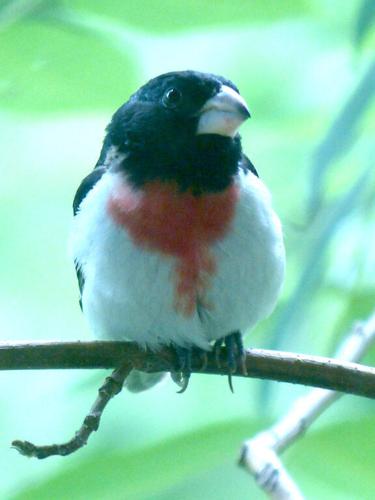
[(307, 70)]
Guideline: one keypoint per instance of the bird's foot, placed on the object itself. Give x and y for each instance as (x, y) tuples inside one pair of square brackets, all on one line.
[(235, 359), (235, 355), (184, 359)]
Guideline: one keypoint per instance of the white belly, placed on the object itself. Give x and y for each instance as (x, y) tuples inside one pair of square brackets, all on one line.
[(129, 291)]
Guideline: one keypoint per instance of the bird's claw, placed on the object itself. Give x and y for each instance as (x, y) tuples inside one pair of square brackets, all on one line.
[(184, 363), (235, 355), (182, 377), (184, 382), (235, 360)]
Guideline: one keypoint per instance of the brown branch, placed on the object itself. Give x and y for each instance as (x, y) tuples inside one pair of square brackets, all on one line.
[(304, 369), (112, 386), (274, 365)]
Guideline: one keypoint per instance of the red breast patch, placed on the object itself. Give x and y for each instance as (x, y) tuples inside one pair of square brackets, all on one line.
[(161, 218)]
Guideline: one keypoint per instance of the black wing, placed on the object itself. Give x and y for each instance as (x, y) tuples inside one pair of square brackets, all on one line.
[(247, 166), (86, 185), (89, 182)]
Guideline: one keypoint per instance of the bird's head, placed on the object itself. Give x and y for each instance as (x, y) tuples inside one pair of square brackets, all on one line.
[(179, 127)]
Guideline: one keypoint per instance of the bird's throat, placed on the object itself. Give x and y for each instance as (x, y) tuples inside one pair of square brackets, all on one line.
[(179, 224)]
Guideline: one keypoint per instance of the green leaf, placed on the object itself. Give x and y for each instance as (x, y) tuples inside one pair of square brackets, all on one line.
[(12, 11), (292, 317), (47, 68), (365, 20), (321, 236), (169, 15), (336, 462), (341, 135)]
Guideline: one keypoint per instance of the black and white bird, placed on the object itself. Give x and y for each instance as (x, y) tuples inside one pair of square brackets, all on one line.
[(174, 239)]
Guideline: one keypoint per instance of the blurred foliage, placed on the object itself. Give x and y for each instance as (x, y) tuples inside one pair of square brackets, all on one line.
[(365, 20), (307, 70), (206, 466)]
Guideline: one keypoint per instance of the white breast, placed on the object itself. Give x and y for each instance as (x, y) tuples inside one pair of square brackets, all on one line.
[(129, 291)]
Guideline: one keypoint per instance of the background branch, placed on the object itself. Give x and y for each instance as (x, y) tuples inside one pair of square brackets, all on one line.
[(259, 455)]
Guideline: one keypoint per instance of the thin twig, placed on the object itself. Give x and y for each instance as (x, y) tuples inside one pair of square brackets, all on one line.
[(316, 371), (112, 386), (259, 454)]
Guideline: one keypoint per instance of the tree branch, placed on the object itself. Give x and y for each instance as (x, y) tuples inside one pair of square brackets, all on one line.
[(124, 356), (259, 455), (317, 371), (112, 386)]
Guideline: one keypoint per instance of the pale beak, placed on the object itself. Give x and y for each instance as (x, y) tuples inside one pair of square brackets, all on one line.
[(223, 113)]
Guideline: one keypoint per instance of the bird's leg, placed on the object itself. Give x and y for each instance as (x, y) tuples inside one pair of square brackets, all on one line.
[(217, 349), (235, 359), (184, 355), (231, 360), (235, 354), (241, 354), (230, 344), (204, 358), (184, 358)]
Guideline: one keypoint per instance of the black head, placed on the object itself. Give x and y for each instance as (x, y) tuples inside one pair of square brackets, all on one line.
[(180, 127)]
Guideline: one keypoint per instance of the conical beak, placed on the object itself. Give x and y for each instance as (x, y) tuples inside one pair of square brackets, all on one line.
[(223, 114)]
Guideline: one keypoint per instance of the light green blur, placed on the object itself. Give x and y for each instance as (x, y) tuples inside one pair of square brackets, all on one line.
[(304, 67)]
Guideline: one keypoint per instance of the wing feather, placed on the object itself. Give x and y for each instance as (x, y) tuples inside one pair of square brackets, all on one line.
[(85, 187)]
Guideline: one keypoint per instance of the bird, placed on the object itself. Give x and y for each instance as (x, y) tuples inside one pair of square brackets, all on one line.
[(175, 241)]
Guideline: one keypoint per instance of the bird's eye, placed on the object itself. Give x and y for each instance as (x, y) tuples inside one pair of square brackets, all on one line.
[(172, 98)]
